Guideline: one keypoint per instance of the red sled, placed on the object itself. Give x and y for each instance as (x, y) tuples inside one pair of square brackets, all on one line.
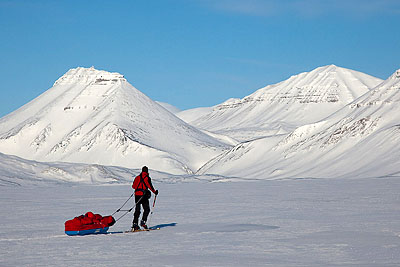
[(89, 224)]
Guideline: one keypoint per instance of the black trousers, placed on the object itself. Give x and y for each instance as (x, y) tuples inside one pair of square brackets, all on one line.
[(141, 201)]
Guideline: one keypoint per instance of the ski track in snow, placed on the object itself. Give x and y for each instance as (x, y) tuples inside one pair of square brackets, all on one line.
[(310, 222)]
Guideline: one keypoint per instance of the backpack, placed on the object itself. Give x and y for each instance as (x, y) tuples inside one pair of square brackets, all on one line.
[(144, 188)]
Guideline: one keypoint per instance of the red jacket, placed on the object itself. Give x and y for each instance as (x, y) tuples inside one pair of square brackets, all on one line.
[(141, 183)]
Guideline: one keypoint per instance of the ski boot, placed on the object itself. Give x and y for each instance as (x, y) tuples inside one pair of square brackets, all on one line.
[(143, 224), (135, 227)]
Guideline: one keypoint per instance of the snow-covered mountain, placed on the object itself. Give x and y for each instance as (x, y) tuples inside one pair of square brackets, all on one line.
[(93, 116), (280, 108), (169, 107), (191, 115), (362, 139)]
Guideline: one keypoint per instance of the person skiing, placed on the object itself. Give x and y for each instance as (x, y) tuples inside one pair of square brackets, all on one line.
[(141, 185)]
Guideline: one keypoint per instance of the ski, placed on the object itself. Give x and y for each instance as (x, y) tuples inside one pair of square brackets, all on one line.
[(142, 230)]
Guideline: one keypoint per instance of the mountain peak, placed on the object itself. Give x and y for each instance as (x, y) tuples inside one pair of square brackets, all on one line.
[(331, 66), (326, 84), (96, 116), (279, 108), (90, 75)]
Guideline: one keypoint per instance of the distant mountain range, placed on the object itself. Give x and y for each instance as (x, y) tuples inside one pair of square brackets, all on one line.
[(282, 107), (360, 140), (329, 122)]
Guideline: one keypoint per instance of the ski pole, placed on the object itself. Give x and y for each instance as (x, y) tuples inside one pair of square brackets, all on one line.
[(154, 201), (152, 210)]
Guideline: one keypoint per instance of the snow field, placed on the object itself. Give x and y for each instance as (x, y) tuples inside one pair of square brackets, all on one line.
[(314, 222)]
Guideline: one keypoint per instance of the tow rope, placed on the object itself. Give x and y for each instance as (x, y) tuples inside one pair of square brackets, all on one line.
[(126, 211)]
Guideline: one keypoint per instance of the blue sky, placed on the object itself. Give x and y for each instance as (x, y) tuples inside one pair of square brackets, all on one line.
[(191, 53)]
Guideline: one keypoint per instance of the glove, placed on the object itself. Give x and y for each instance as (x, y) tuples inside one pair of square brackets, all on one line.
[(156, 192)]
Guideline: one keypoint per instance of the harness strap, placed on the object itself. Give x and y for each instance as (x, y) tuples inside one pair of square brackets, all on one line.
[(142, 182)]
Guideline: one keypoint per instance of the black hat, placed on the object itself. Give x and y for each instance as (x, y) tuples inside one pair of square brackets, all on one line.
[(145, 169)]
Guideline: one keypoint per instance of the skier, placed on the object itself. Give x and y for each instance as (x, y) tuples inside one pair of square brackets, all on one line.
[(141, 184)]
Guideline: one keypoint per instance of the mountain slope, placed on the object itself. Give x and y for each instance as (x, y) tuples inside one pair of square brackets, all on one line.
[(362, 139), (169, 107), (280, 108), (93, 116)]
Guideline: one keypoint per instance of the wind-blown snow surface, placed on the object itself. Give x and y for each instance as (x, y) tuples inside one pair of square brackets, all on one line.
[(360, 140), (280, 108), (317, 222), (92, 116)]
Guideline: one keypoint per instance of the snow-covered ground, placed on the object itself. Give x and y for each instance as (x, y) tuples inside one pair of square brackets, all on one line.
[(293, 222)]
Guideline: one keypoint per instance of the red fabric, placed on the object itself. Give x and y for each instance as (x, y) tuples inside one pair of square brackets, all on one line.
[(89, 221), (86, 220), (108, 220), (141, 184)]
